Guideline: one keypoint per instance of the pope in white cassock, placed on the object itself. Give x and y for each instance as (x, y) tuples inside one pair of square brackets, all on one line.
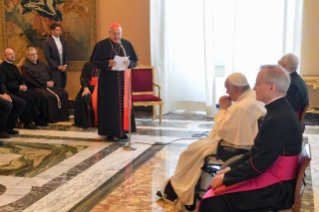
[(235, 123)]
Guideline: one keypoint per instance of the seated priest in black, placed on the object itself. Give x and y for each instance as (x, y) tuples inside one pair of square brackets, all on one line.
[(85, 105), (267, 173), (40, 79), (10, 109), (14, 85), (297, 94)]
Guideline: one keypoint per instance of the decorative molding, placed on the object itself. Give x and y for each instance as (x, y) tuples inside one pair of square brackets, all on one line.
[(3, 31), (311, 80)]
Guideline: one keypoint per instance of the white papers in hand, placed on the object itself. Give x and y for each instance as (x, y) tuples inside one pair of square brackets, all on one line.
[(120, 65)]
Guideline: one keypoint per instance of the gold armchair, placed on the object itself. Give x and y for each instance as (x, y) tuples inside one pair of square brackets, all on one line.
[(143, 89)]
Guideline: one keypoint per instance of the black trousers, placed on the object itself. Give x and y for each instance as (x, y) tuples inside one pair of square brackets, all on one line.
[(34, 106), (10, 111)]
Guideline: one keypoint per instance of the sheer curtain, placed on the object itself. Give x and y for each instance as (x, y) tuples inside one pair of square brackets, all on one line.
[(182, 53), (196, 44)]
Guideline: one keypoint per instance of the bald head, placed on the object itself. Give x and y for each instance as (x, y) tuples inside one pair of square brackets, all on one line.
[(289, 62)]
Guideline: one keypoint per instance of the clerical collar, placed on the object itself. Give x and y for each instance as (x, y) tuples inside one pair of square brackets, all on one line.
[(279, 97), (55, 38), (9, 62)]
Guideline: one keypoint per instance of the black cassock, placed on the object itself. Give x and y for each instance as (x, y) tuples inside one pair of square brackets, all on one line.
[(84, 114), (297, 94), (111, 87), (280, 134), (55, 99), (11, 81)]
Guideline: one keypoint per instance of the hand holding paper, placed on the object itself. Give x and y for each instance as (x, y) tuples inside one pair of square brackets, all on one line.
[(121, 63)]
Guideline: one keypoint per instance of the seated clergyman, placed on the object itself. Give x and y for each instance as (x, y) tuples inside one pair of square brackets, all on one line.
[(40, 79), (235, 123), (85, 105), (267, 173)]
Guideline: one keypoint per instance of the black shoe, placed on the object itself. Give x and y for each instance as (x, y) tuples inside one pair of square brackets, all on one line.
[(123, 137), (110, 138), (190, 207), (12, 131), (159, 194), (42, 123), (4, 135), (30, 126), (1, 143)]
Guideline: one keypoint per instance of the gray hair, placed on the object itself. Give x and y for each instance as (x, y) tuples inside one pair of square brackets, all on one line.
[(3, 50), (291, 62), (29, 49), (276, 74)]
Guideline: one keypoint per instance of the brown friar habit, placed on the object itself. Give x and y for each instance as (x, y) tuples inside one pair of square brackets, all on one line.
[(11, 80), (280, 134), (111, 87), (84, 114), (55, 99)]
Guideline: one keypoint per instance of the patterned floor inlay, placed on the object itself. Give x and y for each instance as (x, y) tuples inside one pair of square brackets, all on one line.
[(30, 159), (138, 193)]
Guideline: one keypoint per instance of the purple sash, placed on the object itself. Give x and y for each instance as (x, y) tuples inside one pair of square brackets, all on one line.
[(284, 168)]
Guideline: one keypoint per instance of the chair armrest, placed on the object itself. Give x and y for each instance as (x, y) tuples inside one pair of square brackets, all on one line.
[(159, 89)]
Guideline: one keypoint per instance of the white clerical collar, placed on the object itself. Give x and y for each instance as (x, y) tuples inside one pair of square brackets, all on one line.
[(9, 62), (279, 97), (56, 38), (243, 95)]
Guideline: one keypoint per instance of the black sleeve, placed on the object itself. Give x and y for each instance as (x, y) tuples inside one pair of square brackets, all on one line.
[(245, 157), (293, 96), (99, 57), (84, 83), (3, 79)]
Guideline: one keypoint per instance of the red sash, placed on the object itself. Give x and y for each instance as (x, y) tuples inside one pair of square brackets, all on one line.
[(126, 93), (94, 82), (298, 113), (284, 168)]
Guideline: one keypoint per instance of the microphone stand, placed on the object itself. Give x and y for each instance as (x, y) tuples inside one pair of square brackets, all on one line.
[(129, 146)]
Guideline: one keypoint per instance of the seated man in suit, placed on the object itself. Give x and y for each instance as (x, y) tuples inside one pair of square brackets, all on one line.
[(9, 114), (235, 124), (270, 167), (85, 105), (40, 79), (297, 94), (13, 84)]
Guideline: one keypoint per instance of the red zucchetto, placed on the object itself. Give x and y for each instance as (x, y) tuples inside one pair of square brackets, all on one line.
[(114, 25)]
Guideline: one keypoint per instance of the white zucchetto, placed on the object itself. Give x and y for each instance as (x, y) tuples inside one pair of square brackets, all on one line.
[(238, 79)]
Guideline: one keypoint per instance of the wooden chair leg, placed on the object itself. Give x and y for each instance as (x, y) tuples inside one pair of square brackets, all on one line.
[(160, 115), (154, 112)]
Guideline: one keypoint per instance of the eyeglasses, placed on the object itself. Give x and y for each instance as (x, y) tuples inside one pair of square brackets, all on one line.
[(12, 53), (33, 54)]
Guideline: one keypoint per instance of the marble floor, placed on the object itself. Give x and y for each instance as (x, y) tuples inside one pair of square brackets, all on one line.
[(65, 168)]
